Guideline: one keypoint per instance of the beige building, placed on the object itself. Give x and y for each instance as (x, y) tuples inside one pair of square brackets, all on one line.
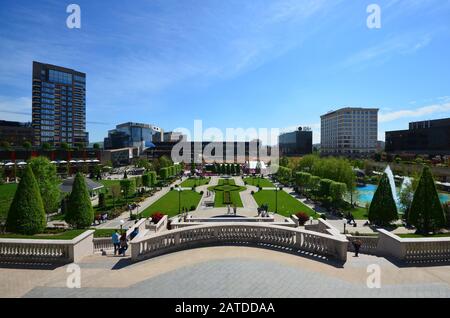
[(351, 131)]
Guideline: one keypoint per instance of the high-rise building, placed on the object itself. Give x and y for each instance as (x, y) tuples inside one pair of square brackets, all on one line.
[(58, 106), (131, 134), (349, 131), (296, 143), (430, 137)]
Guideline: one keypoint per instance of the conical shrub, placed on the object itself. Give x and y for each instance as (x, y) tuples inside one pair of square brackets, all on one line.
[(383, 209), (79, 214), (26, 214), (426, 212)]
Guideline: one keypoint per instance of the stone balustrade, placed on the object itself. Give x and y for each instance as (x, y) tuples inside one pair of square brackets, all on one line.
[(155, 228), (414, 250), (239, 233), (369, 244), (47, 251)]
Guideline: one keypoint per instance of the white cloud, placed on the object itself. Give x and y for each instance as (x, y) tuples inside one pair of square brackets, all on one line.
[(414, 113)]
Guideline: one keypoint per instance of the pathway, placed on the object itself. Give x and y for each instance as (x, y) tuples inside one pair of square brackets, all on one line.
[(237, 272)]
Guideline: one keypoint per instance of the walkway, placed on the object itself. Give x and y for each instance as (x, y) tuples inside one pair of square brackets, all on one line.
[(237, 272)]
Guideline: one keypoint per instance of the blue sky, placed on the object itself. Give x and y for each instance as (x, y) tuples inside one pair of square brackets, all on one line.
[(261, 64)]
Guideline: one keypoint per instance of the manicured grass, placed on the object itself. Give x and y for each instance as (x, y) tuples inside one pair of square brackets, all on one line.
[(108, 183), (65, 235), (359, 213), (259, 182), (287, 205), (227, 185), (168, 204), (194, 182), (7, 192), (104, 232), (413, 235)]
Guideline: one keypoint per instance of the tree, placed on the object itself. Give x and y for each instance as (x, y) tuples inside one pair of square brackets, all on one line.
[(383, 209), (302, 180), (164, 173), (325, 186), (284, 162), (65, 146), (146, 180), (426, 212), (47, 179), (80, 214), (46, 146), (337, 191), (5, 145), (26, 214), (115, 193), (128, 187), (96, 146), (27, 145)]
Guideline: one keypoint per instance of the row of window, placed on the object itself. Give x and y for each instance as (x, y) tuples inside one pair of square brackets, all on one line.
[(59, 77)]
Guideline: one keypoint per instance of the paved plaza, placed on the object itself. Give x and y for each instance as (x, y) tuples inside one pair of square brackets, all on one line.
[(227, 272)]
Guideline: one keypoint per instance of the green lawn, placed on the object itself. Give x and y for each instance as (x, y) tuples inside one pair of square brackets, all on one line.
[(65, 235), (359, 213), (413, 235), (227, 185), (259, 182), (191, 182), (168, 204), (287, 204), (7, 192)]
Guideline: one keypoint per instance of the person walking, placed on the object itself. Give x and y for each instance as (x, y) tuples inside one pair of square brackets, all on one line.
[(123, 244), (116, 241), (357, 245)]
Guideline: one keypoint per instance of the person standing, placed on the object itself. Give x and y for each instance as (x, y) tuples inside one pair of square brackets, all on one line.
[(234, 210), (123, 244), (228, 209), (116, 241)]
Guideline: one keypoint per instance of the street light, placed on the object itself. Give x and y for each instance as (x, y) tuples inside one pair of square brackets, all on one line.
[(311, 219), (345, 223), (179, 199), (122, 222), (276, 198)]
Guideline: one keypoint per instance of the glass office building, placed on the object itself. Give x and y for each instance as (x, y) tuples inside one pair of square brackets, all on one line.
[(131, 135), (58, 106)]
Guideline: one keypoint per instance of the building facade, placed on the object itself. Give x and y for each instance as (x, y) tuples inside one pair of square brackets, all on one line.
[(431, 137), (15, 133), (296, 143), (349, 131), (172, 136), (131, 134), (58, 106)]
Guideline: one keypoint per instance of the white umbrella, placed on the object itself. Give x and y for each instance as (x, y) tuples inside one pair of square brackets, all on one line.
[(73, 161), (53, 161), (10, 164), (88, 161), (95, 160), (22, 163), (80, 161), (63, 161), (2, 164)]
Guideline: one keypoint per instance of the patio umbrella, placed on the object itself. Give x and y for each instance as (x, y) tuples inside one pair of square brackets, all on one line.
[(9, 164), (63, 162), (73, 161), (21, 163)]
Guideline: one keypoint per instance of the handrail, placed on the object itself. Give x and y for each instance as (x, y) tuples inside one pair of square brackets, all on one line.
[(223, 233)]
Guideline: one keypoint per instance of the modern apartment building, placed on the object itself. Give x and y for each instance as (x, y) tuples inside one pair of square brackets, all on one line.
[(58, 105), (131, 134), (349, 131), (296, 143), (430, 137)]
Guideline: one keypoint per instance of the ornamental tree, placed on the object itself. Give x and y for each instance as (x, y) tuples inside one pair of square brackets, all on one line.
[(383, 209), (426, 212), (80, 214), (26, 214)]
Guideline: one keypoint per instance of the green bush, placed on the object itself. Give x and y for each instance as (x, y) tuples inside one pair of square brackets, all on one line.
[(26, 213), (383, 209), (324, 187), (79, 214), (46, 177), (426, 212)]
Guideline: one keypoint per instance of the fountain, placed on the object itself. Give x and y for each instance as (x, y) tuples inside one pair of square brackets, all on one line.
[(390, 175)]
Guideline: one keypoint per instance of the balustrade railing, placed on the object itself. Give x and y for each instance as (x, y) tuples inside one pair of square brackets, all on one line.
[(223, 233)]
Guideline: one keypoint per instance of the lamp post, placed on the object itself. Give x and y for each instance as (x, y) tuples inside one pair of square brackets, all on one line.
[(345, 223), (122, 222), (276, 198), (179, 199), (311, 219)]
